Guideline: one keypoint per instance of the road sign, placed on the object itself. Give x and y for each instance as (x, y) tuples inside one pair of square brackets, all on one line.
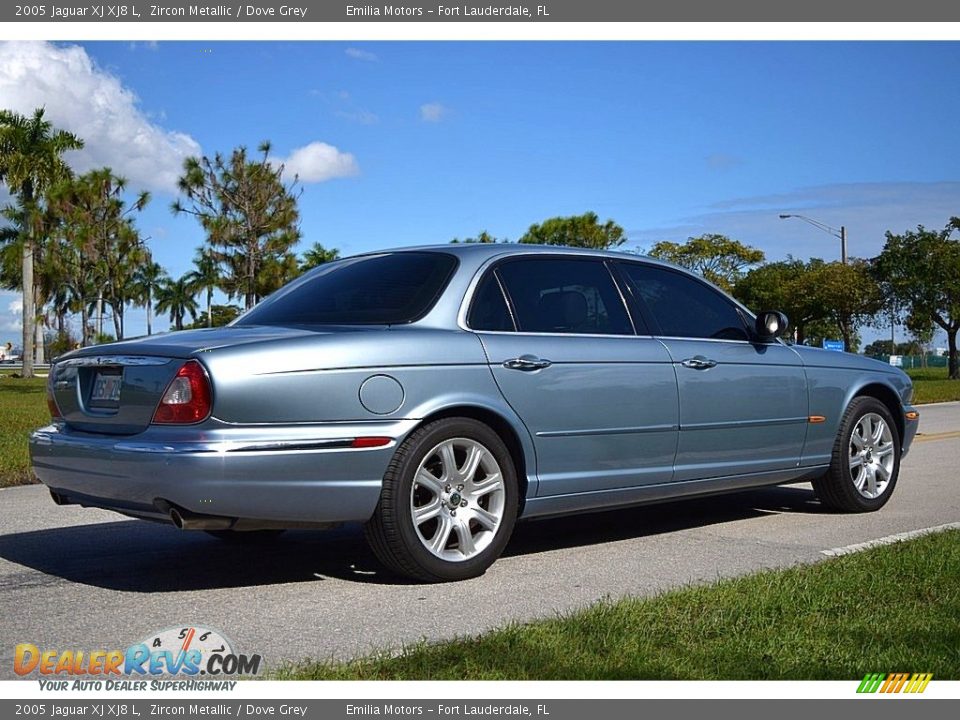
[(835, 345)]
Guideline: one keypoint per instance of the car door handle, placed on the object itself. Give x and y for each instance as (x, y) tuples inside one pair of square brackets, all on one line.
[(527, 363), (699, 362)]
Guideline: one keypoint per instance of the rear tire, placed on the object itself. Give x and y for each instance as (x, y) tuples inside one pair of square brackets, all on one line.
[(865, 463), (448, 503)]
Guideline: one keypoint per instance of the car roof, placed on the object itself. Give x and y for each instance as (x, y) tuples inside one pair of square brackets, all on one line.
[(486, 250)]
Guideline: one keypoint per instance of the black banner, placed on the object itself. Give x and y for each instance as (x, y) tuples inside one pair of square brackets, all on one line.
[(480, 709), (507, 11)]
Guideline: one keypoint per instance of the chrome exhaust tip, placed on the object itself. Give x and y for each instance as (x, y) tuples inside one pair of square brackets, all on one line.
[(185, 520)]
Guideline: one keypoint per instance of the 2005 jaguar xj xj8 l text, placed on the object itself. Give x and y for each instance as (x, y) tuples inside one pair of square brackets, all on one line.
[(439, 394)]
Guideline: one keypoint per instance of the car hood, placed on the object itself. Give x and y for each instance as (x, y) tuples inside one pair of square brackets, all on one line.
[(818, 357)]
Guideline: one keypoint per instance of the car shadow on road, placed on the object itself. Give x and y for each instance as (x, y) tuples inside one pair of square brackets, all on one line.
[(137, 556), (659, 518)]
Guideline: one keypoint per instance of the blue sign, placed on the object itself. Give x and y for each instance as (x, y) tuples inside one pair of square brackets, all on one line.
[(835, 345)]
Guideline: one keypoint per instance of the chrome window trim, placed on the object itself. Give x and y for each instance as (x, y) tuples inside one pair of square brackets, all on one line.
[(482, 270), (558, 334)]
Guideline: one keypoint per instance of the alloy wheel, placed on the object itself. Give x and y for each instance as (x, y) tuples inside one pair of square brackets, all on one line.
[(457, 499)]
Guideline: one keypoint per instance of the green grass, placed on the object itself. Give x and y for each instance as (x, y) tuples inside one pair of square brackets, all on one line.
[(23, 408), (930, 385), (893, 608)]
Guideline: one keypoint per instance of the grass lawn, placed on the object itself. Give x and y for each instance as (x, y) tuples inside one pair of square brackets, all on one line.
[(23, 408), (892, 608), (931, 385)]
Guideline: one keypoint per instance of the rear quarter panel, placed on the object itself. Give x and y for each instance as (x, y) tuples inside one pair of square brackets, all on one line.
[(317, 380)]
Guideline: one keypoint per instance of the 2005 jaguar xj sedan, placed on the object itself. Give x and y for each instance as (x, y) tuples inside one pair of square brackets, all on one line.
[(439, 394)]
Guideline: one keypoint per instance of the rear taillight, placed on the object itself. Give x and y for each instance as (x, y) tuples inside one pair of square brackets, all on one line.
[(187, 397), (51, 400)]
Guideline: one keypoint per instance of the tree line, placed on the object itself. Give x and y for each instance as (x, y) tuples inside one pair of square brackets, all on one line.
[(71, 245)]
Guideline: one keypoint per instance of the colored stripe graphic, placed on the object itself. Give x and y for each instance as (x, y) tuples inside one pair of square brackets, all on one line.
[(919, 684), (894, 682)]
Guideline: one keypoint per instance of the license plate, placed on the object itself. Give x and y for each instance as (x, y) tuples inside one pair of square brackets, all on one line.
[(106, 388)]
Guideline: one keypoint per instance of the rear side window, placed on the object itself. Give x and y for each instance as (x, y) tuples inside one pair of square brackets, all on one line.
[(387, 289), (488, 310), (564, 296), (683, 306)]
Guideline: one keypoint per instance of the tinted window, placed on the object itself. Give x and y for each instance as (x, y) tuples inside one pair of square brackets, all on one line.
[(488, 310), (380, 289), (564, 296), (684, 306)]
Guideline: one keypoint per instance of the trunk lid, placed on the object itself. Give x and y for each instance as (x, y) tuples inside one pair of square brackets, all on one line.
[(115, 389), (113, 394), (187, 343)]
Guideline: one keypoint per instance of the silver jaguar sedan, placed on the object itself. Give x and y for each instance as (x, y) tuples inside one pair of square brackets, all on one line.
[(438, 394)]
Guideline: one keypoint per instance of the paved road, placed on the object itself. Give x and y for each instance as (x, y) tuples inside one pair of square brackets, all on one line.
[(88, 579)]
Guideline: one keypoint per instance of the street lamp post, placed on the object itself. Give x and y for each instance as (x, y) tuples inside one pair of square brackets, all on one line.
[(841, 233)]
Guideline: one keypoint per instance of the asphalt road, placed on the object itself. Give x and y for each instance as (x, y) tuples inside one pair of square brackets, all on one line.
[(89, 579)]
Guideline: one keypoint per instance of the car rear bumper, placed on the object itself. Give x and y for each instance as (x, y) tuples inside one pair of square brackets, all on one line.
[(285, 475)]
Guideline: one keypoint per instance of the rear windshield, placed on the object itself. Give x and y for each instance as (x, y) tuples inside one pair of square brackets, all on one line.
[(385, 289)]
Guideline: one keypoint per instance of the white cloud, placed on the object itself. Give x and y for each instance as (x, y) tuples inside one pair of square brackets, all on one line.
[(350, 110), (359, 115), (358, 54), (87, 100), (319, 162), (433, 112), (11, 322)]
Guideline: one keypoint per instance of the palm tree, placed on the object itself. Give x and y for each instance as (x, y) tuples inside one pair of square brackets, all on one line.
[(205, 277), (31, 159), (148, 279), (176, 297)]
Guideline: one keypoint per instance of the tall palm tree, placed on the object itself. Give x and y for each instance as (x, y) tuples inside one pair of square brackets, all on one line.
[(176, 297), (148, 279), (31, 159), (205, 277)]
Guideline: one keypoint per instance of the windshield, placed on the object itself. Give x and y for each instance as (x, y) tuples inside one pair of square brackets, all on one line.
[(388, 289)]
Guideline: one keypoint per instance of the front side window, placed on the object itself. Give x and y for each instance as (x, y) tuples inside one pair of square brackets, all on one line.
[(683, 306), (552, 295), (388, 289)]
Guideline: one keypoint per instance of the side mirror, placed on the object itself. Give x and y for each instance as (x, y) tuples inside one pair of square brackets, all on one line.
[(770, 324)]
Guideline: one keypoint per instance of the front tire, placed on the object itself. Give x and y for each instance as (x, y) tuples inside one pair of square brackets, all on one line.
[(865, 463), (448, 503)]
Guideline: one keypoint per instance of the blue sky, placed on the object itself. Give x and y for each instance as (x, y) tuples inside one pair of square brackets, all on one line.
[(420, 142)]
